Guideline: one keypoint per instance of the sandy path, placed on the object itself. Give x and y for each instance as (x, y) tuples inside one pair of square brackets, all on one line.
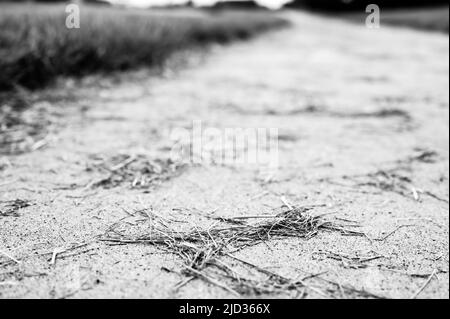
[(344, 75)]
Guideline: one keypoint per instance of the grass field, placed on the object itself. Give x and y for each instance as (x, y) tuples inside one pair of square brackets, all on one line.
[(36, 47), (435, 19), (430, 19)]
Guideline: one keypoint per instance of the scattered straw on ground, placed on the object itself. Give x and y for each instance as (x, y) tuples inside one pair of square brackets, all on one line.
[(320, 110), (205, 252), (136, 171), (12, 207), (398, 178)]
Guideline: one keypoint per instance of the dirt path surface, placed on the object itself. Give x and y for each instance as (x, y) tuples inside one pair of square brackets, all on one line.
[(363, 118)]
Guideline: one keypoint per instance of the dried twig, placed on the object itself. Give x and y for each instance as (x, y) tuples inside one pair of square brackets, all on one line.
[(393, 232), (417, 293), (9, 256)]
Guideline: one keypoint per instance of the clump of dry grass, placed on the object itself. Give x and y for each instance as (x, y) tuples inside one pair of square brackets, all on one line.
[(198, 247), (390, 181), (204, 252), (398, 178), (12, 207), (136, 171), (424, 156)]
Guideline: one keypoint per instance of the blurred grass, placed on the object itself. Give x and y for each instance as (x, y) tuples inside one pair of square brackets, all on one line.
[(36, 47), (432, 19)]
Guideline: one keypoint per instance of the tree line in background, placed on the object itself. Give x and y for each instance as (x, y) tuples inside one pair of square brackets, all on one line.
[(361, 4)]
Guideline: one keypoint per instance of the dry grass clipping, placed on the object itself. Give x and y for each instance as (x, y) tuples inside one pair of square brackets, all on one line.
[(11, 208), (398, 179), (136, 171), (203, 251)]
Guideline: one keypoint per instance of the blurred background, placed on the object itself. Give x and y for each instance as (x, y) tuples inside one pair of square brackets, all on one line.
[(124, 34), (326, 5)]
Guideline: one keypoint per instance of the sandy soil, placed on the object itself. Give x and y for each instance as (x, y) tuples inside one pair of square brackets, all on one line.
[(364, 120)]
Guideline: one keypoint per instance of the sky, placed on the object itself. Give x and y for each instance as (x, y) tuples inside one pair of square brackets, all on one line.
[(274, 4)]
